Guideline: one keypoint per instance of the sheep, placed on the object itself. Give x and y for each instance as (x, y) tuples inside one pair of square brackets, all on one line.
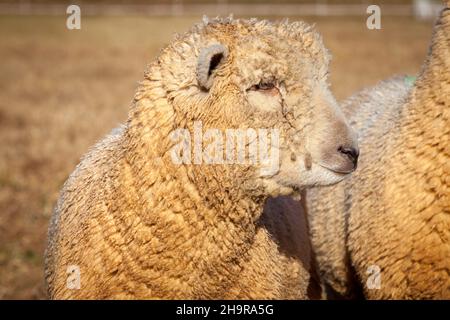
[(144, 217), (385, 232)]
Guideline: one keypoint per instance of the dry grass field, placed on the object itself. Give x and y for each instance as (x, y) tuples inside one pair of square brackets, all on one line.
[(61, 91)]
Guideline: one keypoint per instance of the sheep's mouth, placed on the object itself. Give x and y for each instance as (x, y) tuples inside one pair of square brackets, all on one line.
[(341, 172)]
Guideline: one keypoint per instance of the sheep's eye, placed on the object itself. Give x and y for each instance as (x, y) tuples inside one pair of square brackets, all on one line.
[(263, 86)]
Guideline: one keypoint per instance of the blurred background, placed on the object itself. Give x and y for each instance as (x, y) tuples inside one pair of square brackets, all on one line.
[(61, 90)]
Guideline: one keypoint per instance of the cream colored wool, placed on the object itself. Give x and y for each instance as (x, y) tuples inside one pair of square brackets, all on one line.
[(394, 212), (140, 226)]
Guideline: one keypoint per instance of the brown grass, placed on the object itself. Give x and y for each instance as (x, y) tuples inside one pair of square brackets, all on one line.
[(62, 90)]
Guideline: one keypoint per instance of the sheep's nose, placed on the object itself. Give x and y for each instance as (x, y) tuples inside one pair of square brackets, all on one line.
[(351, 153)]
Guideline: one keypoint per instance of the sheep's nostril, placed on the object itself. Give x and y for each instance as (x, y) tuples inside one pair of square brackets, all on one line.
[(351, 153)]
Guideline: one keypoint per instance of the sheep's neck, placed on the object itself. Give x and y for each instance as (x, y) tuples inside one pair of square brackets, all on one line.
[(214, 197), (195, 212), (200, 228)]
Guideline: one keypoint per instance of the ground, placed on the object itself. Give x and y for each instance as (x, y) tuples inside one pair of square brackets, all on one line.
[(61, 91)]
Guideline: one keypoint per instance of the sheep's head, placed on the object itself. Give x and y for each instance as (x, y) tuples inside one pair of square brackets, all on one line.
[(234, 74)]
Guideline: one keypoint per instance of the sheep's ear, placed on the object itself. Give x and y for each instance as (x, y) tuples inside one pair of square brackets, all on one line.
[(208, 60)]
